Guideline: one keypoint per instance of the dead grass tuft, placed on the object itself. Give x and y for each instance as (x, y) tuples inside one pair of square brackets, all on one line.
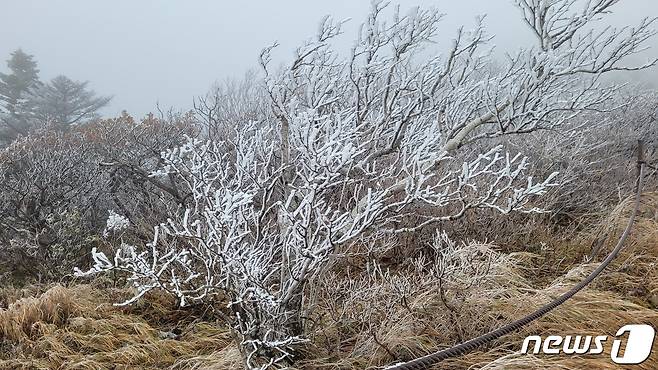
[(512, 287), (78, 328), (368, 318)]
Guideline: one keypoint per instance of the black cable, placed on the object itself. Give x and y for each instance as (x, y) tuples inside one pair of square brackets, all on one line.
[(432, 359)]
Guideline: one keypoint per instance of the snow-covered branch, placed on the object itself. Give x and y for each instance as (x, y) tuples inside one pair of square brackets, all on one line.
[(358, 143)]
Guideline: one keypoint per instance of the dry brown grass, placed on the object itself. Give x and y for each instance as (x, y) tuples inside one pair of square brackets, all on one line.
[(78, 328), (625, 294)]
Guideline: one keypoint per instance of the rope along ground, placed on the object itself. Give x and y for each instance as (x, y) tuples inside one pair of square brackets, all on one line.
[(432, 359)]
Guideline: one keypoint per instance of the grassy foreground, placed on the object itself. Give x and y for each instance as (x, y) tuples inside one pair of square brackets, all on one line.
[(77, 327)]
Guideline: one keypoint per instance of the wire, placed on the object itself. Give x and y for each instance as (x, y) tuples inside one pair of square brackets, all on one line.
[(432, 359)]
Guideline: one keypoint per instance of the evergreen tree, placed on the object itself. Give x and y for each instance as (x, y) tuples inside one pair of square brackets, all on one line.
[(16, 94), (64, 102)]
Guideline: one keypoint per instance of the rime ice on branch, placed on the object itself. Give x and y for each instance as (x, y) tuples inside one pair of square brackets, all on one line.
[(357, 143)]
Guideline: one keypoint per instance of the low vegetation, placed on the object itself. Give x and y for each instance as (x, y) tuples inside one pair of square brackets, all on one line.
[(343, 211), (363, 320)]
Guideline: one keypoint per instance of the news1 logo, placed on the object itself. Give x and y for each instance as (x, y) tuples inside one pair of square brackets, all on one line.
[(636, 350)]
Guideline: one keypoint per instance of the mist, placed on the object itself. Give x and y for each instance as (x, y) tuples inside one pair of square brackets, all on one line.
[(384, 189), (152, 52)]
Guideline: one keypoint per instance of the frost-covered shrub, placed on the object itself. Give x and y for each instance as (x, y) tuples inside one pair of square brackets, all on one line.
[(49, 254), (358, 144), (128, 150), (52, 178), (51, 189), (115, 223)]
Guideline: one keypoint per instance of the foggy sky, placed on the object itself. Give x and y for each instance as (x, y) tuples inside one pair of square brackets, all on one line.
[(167, 51)]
